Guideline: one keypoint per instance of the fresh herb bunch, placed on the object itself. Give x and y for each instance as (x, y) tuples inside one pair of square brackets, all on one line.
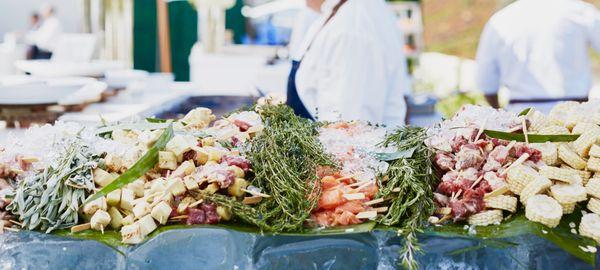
[(409, 189), (285, 158), (50, 199)]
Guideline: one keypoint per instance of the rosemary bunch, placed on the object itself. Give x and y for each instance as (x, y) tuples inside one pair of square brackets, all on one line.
[(409, 189), (285, 158), (50, 199)]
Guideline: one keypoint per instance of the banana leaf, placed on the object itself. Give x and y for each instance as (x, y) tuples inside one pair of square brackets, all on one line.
[(395, 155), (533, 138), (525, 112), (519, 225), (142, 166)]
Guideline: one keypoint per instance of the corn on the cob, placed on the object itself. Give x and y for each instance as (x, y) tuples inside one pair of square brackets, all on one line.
[(553, 130), (486, 218), (581, 127), (566, 193), (519, 176), (574, 118), (568, 208), (593, 187), (585, 141), (593, 164), (595, 151), (590, 226), (543, 209), (560, 174), (566, 154), (549, 152), (585, 175), (594, 205), (538, 185), (504, 202), (537, 120)]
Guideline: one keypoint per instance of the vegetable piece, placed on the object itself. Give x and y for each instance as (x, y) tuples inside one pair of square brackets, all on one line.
[(582, 127), (593, 164), (593, 187), (190, 183), (100, 220), (566, 154), (140, 209), (92, 207), (201, 156), (167, 160), (102, 177), (519, 176), (127, 198), (595, 151), (212, 188), (553, 130), (504, 202), (584, 175), (214, 154), (590, 226), (239, 172), (180, 144), (538, 185), (161, 212), (543, 209), (208, 141), (132, 234), (224, 213), (176, 186), (184, 204), (142, 166), (236, 188), (560, 174), (128, 220), (568, 208), (198, 118), (137, 187), (549, 152), (486, 218), (568, 193), (533, 138), (594, 205), (147, 225), (116, 218), (113, 198), (186, 168), (588, 138)]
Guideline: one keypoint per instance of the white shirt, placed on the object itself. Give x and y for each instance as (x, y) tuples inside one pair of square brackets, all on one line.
[(46, 36), (539, 49), (305, 18), (355, 68)]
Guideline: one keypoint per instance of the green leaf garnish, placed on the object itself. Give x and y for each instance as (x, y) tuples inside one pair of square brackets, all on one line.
[(525, 112), (533, 138), (395, 155), (136, 126), (142, 166)]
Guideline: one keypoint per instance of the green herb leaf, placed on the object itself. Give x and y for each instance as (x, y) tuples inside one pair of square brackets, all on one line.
[(156, 120), (395, 155), (533, 138), (525, 112), (142, 166)]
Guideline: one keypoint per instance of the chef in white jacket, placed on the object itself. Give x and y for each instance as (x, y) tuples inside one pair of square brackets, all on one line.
[(352, 66)]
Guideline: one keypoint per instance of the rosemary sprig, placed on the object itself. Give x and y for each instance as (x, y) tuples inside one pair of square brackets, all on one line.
[(285, 158), (49, 200), (409, 189)]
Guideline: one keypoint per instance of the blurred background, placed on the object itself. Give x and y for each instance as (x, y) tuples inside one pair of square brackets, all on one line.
[(126, 58)]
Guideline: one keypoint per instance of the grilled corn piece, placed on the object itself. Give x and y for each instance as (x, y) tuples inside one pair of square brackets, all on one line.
[(504, 202), (486, 218), (593, 164), (585, 141), (590, 226), (569, 156), (560, 174), (585, 175), (543, 209), (593, 187), (580, 128), (538, 185), (568, 208), (519, 176), (595, 151), (594, 205), (549, 152), (553, 130), (565, 193)]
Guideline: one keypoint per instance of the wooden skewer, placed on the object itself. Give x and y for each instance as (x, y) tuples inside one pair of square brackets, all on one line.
[(256, 193), (476, 182), (15, 222), (252, 200), (444, 218), (348, 177), (195, 204), (368, 183), (517, 162), (381, 209), (525, 130), (396, 190), (481, 128), (372, 202), (12, 229), (81, 227), (179, 217), (357, 184)]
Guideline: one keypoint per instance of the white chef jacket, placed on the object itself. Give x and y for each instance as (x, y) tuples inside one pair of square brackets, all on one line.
[(47, 35), (355, 68), (539, 49), (305, 18)]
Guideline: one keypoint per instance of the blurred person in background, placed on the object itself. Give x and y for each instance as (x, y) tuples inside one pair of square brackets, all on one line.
[(350, 64), (538, 50), (44, 38), (34, 25)]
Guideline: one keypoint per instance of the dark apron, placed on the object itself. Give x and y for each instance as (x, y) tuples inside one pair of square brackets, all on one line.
[(293, 99)]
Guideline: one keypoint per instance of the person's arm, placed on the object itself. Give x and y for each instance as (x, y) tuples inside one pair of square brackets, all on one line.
[(488, 72)]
